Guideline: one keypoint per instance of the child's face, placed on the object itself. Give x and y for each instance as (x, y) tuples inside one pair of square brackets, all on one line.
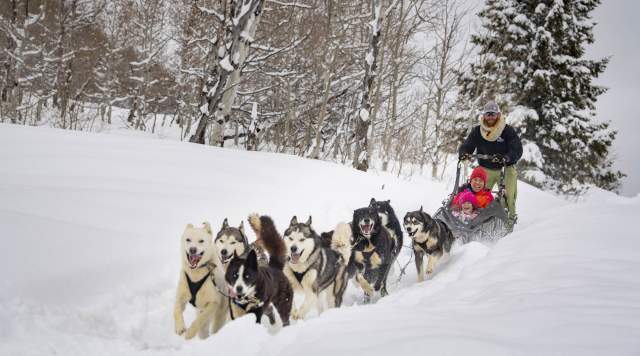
[(477, 184), (467, 207)]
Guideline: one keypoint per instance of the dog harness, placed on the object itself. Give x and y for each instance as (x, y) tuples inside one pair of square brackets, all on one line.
[(300, 275), (321, 260), (423, 246), (247, 305), (194, 287)]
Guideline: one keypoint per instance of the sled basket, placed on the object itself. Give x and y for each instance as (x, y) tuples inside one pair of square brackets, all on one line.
[(489, 225)]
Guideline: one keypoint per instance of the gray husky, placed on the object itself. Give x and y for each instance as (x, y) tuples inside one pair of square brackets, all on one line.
[(315, 266), (232, 242), (430, 236)]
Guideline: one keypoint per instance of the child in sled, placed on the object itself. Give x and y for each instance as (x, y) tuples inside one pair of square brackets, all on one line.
[(476, 187), (465, 208)]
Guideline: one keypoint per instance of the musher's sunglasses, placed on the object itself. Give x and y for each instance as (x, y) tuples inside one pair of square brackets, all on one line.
[(491, 114)]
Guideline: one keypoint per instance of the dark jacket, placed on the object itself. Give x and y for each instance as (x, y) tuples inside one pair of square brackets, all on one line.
[(508, 144)]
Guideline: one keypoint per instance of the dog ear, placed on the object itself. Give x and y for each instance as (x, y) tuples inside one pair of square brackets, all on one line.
[(420, 208), (294, 221), (426, 219), (225, 223), (189, 226), (252, 260), (372, 202), (241, 227), (309, 221), (207, 227)]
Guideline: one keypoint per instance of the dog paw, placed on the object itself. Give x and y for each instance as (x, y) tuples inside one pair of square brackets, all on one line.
[(295, 315), (180, 329), (191, 333), (383, 292), (254, 221)]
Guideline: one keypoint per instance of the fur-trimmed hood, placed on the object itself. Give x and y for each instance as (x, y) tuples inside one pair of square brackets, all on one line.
[(491, 134)]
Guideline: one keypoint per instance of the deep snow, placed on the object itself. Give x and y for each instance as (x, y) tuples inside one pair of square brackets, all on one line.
[(90, 228)]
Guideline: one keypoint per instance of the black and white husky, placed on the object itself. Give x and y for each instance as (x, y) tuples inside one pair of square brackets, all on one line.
[(373, 251), (430, 236), (261, 290), (315, 267)]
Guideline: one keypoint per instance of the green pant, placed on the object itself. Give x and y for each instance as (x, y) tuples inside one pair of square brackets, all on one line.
[(510, 186)]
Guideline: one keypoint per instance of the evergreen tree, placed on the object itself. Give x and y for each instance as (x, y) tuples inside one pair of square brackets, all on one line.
[(533, 63)]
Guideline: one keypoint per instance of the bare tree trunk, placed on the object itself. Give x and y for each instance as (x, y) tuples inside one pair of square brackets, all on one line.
[(288, 121), (6, 95), (323, 108), (361, 158), (232, 52), (396, 53), (423, 141), (375, 103)]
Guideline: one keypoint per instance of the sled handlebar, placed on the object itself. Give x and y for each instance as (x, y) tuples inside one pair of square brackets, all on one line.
[(495, 158)]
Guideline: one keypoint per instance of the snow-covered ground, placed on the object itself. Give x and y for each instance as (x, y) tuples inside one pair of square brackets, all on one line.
[(90, 228)]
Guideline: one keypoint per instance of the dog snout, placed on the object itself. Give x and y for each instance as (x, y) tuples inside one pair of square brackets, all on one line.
[(367, 221), (224, 252), (239, 289), (294, 249), (193, 250)]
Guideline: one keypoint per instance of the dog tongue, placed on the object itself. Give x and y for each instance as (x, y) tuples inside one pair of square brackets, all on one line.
[(232, 293), (366, 228), (194, 259), (295, 258)]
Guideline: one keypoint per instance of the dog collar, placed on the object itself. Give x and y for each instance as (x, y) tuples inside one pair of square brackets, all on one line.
[(247, 304)]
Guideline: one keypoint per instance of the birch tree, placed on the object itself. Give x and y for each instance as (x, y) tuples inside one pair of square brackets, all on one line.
[(231, 53)]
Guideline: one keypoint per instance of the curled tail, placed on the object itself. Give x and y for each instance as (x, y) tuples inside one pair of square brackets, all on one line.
[(269, 239), (341, 241)]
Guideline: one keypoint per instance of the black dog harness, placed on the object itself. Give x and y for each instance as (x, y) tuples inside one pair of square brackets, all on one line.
[(194, 287), (300, 275), (423, 246)]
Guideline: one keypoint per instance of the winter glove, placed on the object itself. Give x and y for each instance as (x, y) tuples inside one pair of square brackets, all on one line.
[(465, 157), (497, 158), (507, 160)]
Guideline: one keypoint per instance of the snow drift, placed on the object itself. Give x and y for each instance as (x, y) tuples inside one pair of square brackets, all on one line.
[(90, 228)]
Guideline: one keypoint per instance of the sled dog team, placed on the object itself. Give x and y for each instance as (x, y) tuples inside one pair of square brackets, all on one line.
[(226, 277)]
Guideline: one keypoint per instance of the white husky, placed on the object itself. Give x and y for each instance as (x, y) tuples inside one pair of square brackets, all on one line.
[(201, 279)]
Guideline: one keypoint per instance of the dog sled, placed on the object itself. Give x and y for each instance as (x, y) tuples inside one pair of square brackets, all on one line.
[(491, 222)]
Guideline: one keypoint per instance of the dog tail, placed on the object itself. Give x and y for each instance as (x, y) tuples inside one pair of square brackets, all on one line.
[(269, 239), (341, 241)]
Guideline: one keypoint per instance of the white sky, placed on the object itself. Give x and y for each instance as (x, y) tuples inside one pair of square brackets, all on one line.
[(617, 35)]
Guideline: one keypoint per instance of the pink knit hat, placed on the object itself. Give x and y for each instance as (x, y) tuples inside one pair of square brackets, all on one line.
[(467, 196)]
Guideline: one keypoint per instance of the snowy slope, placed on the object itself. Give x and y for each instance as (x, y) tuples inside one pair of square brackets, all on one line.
[(90, 228)]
